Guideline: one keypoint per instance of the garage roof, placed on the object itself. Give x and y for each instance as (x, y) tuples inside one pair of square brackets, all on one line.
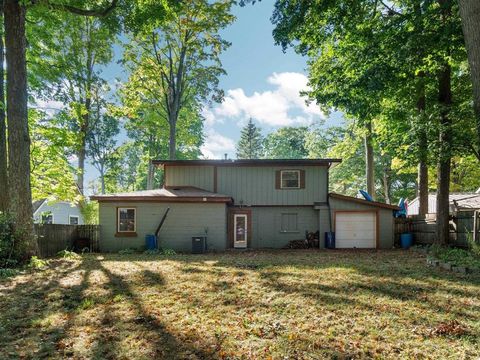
[(168, 194), (365, 202)]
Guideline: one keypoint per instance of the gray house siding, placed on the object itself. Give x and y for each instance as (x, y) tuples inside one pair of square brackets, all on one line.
[(183, 221), (197, 176), (255, 185), (385, 219), (267, 225), (61, 212)]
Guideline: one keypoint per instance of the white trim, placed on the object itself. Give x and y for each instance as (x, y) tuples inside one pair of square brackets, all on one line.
[(134, 219), (73, 216), (290, 187), (43, 202), (240, 244)]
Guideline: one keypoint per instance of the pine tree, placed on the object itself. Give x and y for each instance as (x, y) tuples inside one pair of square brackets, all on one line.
[(250, 144)]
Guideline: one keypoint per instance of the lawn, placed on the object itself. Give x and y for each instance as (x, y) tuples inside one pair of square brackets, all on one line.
[(250, 305)]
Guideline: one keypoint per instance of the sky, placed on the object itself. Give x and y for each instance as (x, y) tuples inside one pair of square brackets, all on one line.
[(262, 82)]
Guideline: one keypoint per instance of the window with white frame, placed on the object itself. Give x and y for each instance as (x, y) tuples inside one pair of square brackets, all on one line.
[(289, 222), (73, 220), (290, 179), (47, 217), (126, 220)]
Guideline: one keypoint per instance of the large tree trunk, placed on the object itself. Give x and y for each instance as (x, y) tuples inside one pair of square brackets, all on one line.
[(172, 145), (422, 149), (369, 165), (3, 126), (82, 151), (387, 181), (470, 14), (444, 161), (20, 202)]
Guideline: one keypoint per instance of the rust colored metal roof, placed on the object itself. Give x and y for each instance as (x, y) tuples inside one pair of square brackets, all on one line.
[(168, 194), (365, 202)]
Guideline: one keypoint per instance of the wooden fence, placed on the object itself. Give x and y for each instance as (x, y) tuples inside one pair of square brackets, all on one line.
[(53, 238), (423, 228)]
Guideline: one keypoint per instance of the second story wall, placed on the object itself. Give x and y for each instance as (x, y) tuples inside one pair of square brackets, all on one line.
[(198, 176), (252, 185), (255, 185)]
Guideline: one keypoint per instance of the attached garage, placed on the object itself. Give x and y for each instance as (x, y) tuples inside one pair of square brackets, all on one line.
[(356, 229), (361, 224)]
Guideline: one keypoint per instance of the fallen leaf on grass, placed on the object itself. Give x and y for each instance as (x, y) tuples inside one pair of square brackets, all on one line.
[(449, 328)]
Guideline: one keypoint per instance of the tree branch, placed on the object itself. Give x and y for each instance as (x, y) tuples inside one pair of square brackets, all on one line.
[(78, 11)]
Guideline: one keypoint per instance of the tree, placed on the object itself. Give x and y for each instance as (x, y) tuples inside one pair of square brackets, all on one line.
[(177, 63), (470, 14), (3, 126), (101, 139), (250, 144), (20, 199), (286, 143)]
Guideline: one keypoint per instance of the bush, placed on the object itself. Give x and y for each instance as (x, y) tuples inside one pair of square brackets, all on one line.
[(7, 242), (128, 251), (168, 252), (36, 263), (456, 256), (65, 254)]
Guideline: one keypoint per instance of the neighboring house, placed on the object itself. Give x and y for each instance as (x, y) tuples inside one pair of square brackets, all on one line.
[(458, 202), (59, 212), (242, 204)]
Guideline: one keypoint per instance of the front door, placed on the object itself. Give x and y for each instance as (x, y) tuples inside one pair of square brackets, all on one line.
[(240, 231)]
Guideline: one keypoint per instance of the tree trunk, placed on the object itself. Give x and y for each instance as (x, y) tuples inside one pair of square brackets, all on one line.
[(150, 175), (387, 181), (172, 145), (20, 202), (3, 127), (444, 161), (470, 14), (369, 167), (422, 149)]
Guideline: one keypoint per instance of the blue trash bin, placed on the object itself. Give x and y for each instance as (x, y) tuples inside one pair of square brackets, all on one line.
[(330, 240), (406, 240), (150, 242)]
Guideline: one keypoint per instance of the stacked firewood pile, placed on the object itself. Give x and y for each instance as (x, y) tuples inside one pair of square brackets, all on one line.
[(311, 241)]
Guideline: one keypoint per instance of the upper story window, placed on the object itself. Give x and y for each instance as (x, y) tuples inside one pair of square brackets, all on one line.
[(126, 220), (290, 179), (73, 220)]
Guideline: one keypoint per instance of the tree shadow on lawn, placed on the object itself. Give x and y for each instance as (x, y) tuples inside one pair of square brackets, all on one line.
[(26, 308)]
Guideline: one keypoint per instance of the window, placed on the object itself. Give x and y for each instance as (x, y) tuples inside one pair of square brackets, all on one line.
[(289, 223), (73, 220), (126, 220), (47, 217), (290, 179)]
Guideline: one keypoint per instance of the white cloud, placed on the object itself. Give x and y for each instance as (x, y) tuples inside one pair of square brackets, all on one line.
[(282, 106), (50, 107), (216, 145)]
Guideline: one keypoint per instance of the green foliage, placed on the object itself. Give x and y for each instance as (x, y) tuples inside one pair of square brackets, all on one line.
[(37, 263), (90, 212), (70, 255), (250, 145), (286, 143), (166, 252), (456, 256), (5, 273), (51, 172)]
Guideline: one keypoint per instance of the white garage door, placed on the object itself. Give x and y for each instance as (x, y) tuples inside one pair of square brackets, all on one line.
[(355, 230)]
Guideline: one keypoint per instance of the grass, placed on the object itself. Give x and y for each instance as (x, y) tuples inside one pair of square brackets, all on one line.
[(458, 257), (252, 305)]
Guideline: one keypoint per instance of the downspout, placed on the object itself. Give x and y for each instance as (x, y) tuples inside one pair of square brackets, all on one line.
[(328, 200)]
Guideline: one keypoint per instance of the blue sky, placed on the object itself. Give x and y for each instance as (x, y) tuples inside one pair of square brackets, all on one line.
[(262, 82)]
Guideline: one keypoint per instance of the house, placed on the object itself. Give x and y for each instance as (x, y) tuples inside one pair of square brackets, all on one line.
[(458, 202), (58, 212), (242, 204)]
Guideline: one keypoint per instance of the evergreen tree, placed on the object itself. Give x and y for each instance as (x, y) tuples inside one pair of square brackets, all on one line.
[(250, 144)]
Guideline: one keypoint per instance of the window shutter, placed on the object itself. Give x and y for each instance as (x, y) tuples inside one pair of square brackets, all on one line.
[(302, 179), (278, 179)]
